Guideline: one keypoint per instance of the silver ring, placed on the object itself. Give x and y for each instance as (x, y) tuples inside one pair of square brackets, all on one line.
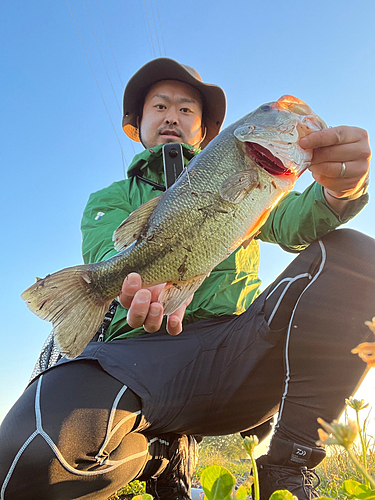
[(342, 171)]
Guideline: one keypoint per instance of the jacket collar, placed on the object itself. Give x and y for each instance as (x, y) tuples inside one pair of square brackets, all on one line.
[(149, 163)]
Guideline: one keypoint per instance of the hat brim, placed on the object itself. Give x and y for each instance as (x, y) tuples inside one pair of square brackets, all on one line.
[(163, 68)]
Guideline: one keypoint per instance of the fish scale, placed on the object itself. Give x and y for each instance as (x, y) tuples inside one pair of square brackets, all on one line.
[(220, 201)]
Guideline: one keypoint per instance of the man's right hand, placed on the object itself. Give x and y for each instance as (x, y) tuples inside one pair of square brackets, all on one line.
[(145, 310)]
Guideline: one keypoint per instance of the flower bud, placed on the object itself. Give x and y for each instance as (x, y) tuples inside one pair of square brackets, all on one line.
[(250, 442), (337, 433)]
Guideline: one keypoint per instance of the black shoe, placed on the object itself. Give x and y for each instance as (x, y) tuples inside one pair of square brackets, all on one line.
[(299, 480), (175, 482)]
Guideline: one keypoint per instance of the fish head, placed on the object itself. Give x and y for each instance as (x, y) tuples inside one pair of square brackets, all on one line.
[(270, 135)]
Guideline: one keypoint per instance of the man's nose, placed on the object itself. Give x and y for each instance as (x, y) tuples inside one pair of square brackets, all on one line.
[(170, 122), (171, 117)]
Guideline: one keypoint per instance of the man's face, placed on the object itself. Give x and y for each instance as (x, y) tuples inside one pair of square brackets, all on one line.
[(172, 112)]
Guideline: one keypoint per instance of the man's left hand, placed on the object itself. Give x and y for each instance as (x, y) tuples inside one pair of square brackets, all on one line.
[(333, 147), (144, 308)]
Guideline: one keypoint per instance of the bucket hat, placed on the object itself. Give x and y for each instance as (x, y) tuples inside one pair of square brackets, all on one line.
[(163, 68)]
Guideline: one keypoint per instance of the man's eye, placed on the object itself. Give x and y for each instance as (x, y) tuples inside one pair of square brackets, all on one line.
[(186, 110), (160, 106)]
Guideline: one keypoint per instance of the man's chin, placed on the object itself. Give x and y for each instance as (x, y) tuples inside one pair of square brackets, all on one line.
[(165, 139)]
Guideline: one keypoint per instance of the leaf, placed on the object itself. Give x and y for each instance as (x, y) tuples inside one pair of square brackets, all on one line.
[(354, 489), (145, 496), (241, 493), (282, 495), (217, 483)]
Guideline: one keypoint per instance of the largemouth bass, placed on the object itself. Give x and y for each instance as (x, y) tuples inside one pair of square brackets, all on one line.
[(219, 202)]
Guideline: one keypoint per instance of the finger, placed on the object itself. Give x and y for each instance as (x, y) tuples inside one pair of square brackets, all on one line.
[(337, 185), (139, 308), (174, 323), (332, 136), (342, 185), (353, 170), (334, 170), (130, 287), (156, 291), (340, 153), (154, 318)]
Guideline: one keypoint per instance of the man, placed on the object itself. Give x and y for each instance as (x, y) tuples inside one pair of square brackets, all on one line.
[(120, 405), (144, 309)]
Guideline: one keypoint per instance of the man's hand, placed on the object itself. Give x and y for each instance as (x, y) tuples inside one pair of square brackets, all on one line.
[(144, 308), (331, 148)]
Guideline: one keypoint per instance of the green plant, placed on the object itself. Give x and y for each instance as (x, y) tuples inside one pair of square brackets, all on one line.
[(218, 484), (357, 406), (344, 435), (225, 451), (250, 442), (131, 490)]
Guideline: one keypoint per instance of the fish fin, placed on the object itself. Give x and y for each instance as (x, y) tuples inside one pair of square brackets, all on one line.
[(247, 242), (252, 231), (130, 229), (67, 300), (176, 293), (239, 185)]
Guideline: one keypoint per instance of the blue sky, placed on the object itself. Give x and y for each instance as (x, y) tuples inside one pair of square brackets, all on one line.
[(57, 142)]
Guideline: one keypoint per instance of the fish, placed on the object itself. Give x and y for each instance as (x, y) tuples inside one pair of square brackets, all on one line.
[(219, 202)]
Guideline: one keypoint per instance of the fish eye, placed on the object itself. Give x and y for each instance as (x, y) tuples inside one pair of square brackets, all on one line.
[(265, 107)]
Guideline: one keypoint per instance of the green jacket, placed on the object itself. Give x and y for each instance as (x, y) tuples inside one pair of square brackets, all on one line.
[(299, 219)]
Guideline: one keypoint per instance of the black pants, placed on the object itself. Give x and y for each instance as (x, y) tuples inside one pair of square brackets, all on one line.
[(85, 428)]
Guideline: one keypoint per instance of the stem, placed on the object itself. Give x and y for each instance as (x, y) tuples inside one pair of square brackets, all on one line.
[(360, 468), (255, 476), (364, 448)]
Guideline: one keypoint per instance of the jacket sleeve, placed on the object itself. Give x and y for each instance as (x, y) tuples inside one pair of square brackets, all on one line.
[(301, 218), (104, 212)]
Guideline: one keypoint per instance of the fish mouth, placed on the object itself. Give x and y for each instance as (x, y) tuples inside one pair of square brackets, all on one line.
[(266, 160)]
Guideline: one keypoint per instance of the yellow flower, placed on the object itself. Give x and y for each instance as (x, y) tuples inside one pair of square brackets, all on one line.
[(366, 351), (337, 433), (356, 404), (371, 324)]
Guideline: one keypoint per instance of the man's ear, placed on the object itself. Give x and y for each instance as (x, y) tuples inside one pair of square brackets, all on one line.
[(203, 132)]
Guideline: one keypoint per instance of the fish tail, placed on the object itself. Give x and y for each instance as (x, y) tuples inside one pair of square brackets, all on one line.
[(71, 301)]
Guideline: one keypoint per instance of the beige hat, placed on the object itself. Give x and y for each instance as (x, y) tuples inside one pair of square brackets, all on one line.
[(163, 68)]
